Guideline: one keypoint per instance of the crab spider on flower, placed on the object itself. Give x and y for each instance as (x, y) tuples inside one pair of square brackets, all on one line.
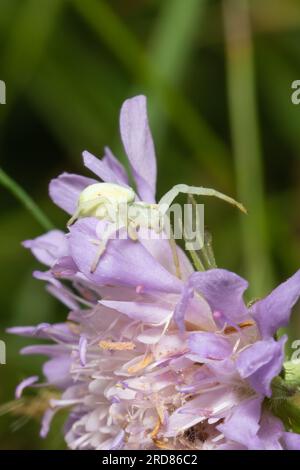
[(117, 204)]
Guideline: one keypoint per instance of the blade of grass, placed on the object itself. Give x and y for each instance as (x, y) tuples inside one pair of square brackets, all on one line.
[(174, 36), (207, 147), (86, 113), (277, 93), (172, 42), (246, 142), (25, 199), (26, 43)]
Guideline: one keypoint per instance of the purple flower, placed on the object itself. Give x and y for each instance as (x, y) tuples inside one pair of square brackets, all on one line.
[(146, 359)]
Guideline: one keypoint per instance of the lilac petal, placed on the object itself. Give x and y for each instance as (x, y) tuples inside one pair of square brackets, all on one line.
[(46, 422), (124, 262), (147, 313), (274, 311), (57, 331), (82, 350), (115, 166), (199, 409), (161, 250), (243, 424), (117, 441), (57, 371), (209, 346), (64, 295), (182, 306), (38, 331), (224, 370), (198, 315), (64, 268), (47, 276), (65, 190), (49, 247), (222, 289), (291, 440), (261, 362), (270, 433), (24, 384), (138, 144), (231, 446), (100, 168), (192, 310), (52, 350)]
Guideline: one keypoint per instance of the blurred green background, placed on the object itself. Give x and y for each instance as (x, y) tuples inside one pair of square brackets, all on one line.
[(218, 78)]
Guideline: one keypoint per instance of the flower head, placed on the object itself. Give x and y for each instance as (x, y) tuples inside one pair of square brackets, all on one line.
[(146, 359)]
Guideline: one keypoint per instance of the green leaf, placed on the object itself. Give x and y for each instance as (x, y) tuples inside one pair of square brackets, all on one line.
[(25, 199), (246, 143)]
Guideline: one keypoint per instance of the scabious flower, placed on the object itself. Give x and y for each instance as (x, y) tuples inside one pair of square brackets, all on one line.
[(146, 359)]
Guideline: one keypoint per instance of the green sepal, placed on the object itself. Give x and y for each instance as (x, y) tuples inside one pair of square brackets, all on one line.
[(285, 403), (292, 372)]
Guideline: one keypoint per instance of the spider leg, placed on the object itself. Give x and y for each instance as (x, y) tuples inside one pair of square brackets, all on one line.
[(85, 207), (102, 246), (74, 217), (107, 234), (168, 198)]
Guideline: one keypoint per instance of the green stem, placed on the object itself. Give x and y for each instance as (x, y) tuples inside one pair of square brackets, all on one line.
[(203, 141), (196, 260), (246, 142), (25, 199), (205, 255)]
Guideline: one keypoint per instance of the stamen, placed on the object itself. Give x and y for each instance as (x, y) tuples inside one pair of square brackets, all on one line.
[(117, 346), (230, 329), (142, 364)]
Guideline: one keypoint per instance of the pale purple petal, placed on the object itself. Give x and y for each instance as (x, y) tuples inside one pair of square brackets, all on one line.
[(225, 370), (82, 350), (100, 168), (138, 144), (199, 409), (24, 384), (49, 247), (63, 295), (261, 362), (57, 371), (57, 331), (65, 190), (117, 441), (144, 312), (115, 166), (46, 422), (270, 432), (48, 277), (231, 446), (209, 346), (124, 262), (161, 250), (64, 268), (223, 291), (291, 441), (39, 331), (274, 311), (182, 306), (52, 350), (243, 424)]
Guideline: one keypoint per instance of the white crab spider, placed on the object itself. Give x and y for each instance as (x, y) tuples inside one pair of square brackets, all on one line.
[(104, 200)]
